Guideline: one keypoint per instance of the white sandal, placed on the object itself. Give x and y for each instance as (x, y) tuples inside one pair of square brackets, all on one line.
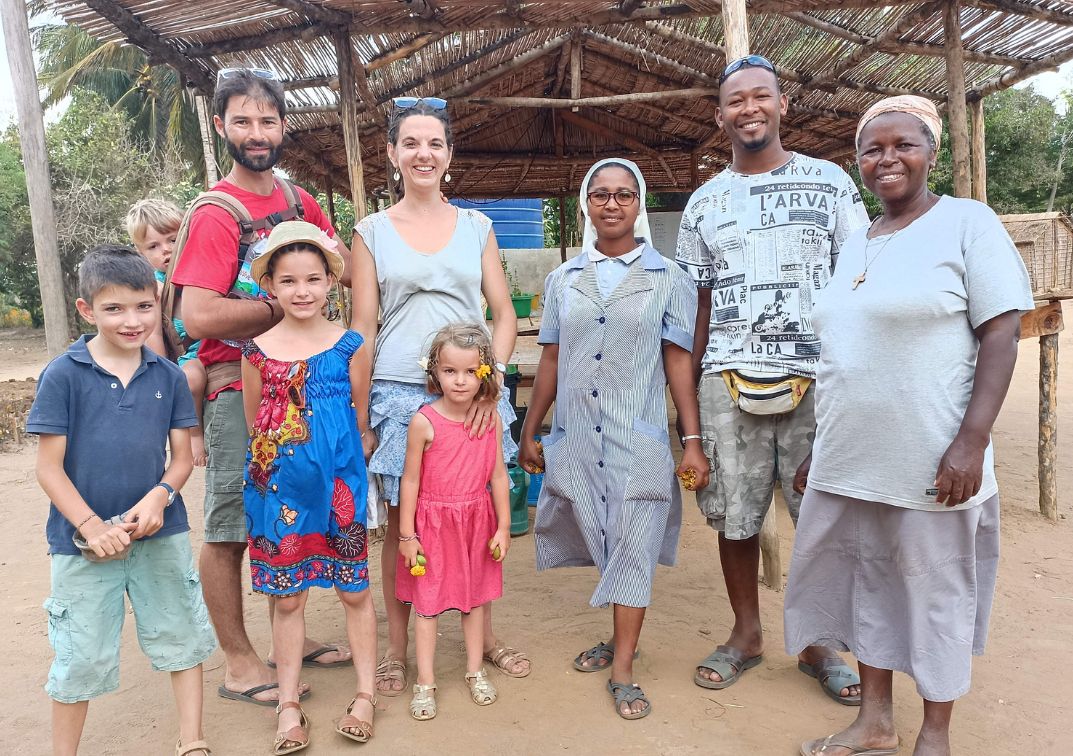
[(423, 704), (481, 689)]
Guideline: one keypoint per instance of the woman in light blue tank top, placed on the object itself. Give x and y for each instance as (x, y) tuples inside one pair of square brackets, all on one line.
[(418, 266)]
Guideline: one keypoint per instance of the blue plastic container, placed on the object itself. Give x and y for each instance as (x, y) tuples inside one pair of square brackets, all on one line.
[(518, 223), (536, 480)]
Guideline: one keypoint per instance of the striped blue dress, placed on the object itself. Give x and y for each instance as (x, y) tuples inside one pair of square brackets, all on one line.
[(609, 496)]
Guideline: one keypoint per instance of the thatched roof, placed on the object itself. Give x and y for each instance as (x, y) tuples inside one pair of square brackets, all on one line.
[(835, 56)]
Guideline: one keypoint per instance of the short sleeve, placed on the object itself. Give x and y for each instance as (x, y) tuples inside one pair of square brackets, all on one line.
[(210, 256), (483, 224), (182, 408), (314, 213), (692, 253), (549, 321), (366, 229), (51, 410), (850, 214), (995, 277), (680, 317)]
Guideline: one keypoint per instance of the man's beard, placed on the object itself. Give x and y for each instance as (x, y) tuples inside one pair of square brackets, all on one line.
[(259, 164)]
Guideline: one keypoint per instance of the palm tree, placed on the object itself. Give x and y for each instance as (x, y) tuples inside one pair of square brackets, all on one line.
[(161, 110)]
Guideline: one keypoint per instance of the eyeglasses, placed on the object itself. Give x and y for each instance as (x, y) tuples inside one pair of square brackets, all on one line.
[(623, 197), (406, 103), (758, 61), (260, 73)]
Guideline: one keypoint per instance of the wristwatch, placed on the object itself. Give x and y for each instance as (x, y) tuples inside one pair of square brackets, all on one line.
[(501, 368), (172, 493)]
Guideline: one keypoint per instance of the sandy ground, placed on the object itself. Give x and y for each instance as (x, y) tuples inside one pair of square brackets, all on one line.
[(1017, 703)]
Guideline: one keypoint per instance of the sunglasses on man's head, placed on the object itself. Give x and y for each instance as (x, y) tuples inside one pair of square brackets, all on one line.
[(758, 61), (260, 73), (406, 103)]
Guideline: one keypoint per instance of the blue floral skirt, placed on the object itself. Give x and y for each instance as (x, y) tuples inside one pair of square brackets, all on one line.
[(392, 404)]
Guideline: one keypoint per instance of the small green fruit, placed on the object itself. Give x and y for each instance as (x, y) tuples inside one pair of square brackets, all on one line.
[(421, 560)]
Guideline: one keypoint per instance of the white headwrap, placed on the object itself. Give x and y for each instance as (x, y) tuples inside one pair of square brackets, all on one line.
[(640, 226)]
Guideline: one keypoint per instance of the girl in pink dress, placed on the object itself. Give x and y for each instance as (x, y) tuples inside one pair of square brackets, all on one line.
[(454, 514)]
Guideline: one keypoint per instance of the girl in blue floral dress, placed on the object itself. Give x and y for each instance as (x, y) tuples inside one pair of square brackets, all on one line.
[(305, 483)]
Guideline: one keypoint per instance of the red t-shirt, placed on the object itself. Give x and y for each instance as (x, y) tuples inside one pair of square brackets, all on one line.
[(210, 257)]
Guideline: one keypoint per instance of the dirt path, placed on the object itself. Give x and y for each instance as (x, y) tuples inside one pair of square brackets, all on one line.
[(1017, 703)]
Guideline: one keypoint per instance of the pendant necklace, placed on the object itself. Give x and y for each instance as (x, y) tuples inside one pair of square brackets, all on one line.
[(867, 263)]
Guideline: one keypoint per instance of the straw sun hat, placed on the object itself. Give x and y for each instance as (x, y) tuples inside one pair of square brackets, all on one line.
[(295, 232)]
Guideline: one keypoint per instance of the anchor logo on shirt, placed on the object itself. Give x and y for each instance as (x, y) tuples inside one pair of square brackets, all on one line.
[(159, 395)]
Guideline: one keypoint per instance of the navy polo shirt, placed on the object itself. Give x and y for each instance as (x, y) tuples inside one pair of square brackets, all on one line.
[(116, 436)]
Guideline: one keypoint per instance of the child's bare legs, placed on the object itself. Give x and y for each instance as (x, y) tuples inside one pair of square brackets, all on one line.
[(189, 693), (473, 634), (67, 723), (628, 620), (398, 613), (361, 632), (288, 635), (197, 379), (425, 640)]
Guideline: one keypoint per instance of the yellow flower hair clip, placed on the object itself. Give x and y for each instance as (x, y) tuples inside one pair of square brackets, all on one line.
[(484, 371)]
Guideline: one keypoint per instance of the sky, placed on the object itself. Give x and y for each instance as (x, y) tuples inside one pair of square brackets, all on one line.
[(1048, 84)]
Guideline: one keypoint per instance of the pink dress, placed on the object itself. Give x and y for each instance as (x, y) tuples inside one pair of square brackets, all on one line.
[(455, 520)]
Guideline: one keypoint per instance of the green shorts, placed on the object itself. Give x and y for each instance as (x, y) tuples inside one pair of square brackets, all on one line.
[(226, 440), (86, 610), (748, 454)]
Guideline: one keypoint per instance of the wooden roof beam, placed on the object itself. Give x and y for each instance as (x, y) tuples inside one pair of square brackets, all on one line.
[(305, 32), (627, 7), (911, 48), (626, 141), (139, 33), (318, 13), (865, 51), (1009, 78), (478, 81), (404, 50), (667, 32), (607, 101), (1023, 9), (427, 9)]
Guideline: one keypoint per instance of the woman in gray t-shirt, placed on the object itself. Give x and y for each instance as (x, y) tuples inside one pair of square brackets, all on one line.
[(897, 542), (418, 266)]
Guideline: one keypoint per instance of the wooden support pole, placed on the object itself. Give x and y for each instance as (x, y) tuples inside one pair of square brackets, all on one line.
[(1048, 426), (208, 139), (348, 95), (35, 162), (562, 227), (979, 152), (736, 34), (575, 71), (956, 110), (330, 191)]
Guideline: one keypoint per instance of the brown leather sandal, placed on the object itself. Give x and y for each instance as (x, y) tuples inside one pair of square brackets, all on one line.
[(294, 739), (363, 730)]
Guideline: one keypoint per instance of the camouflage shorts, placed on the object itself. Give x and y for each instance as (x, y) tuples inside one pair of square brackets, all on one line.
[(748, 453)]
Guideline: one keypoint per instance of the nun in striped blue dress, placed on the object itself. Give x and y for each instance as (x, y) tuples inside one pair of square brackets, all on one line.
[(617, 326)]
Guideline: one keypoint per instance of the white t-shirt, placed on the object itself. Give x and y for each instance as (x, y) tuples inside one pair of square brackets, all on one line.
[(765, 244), (899, 352)]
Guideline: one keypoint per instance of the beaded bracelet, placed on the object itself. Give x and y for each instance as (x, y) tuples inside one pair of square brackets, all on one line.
[(408, 538), (79, 526)]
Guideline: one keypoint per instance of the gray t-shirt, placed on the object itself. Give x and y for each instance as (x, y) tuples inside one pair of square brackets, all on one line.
[(765, 244), (421, 293), (899, 352)]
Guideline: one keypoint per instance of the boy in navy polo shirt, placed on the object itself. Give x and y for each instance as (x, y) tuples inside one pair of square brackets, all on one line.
[(105, 411)]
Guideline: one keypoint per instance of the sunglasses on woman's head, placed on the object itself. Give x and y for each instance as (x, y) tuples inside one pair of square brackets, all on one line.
[(406, 103), (623, 197), (758, 61), (260, 73)]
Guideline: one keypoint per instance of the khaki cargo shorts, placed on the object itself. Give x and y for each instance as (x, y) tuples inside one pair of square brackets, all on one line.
[(748, 453), (227, 440)]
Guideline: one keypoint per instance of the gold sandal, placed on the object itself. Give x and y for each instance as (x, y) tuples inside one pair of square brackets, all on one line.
[(481, 689), (297, 735), (389, 670), (350, 722), (504, 658), (423, 704)]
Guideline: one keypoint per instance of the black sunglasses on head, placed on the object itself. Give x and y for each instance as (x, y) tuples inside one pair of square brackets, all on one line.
[(758, 61)]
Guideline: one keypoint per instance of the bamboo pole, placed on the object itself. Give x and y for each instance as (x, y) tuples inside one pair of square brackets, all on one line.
[(592, 102), (348, 95), (1048, 426), (736, 33), (979, 152), (562, 227), (208, 134), (575, 71), (38, 185), (956, 110)]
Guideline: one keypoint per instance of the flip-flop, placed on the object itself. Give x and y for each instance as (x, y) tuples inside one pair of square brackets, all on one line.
[(729, 663), (600, 653), (310, 659), (808, 748), (833, 675), (628, 693), (247, 696)]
